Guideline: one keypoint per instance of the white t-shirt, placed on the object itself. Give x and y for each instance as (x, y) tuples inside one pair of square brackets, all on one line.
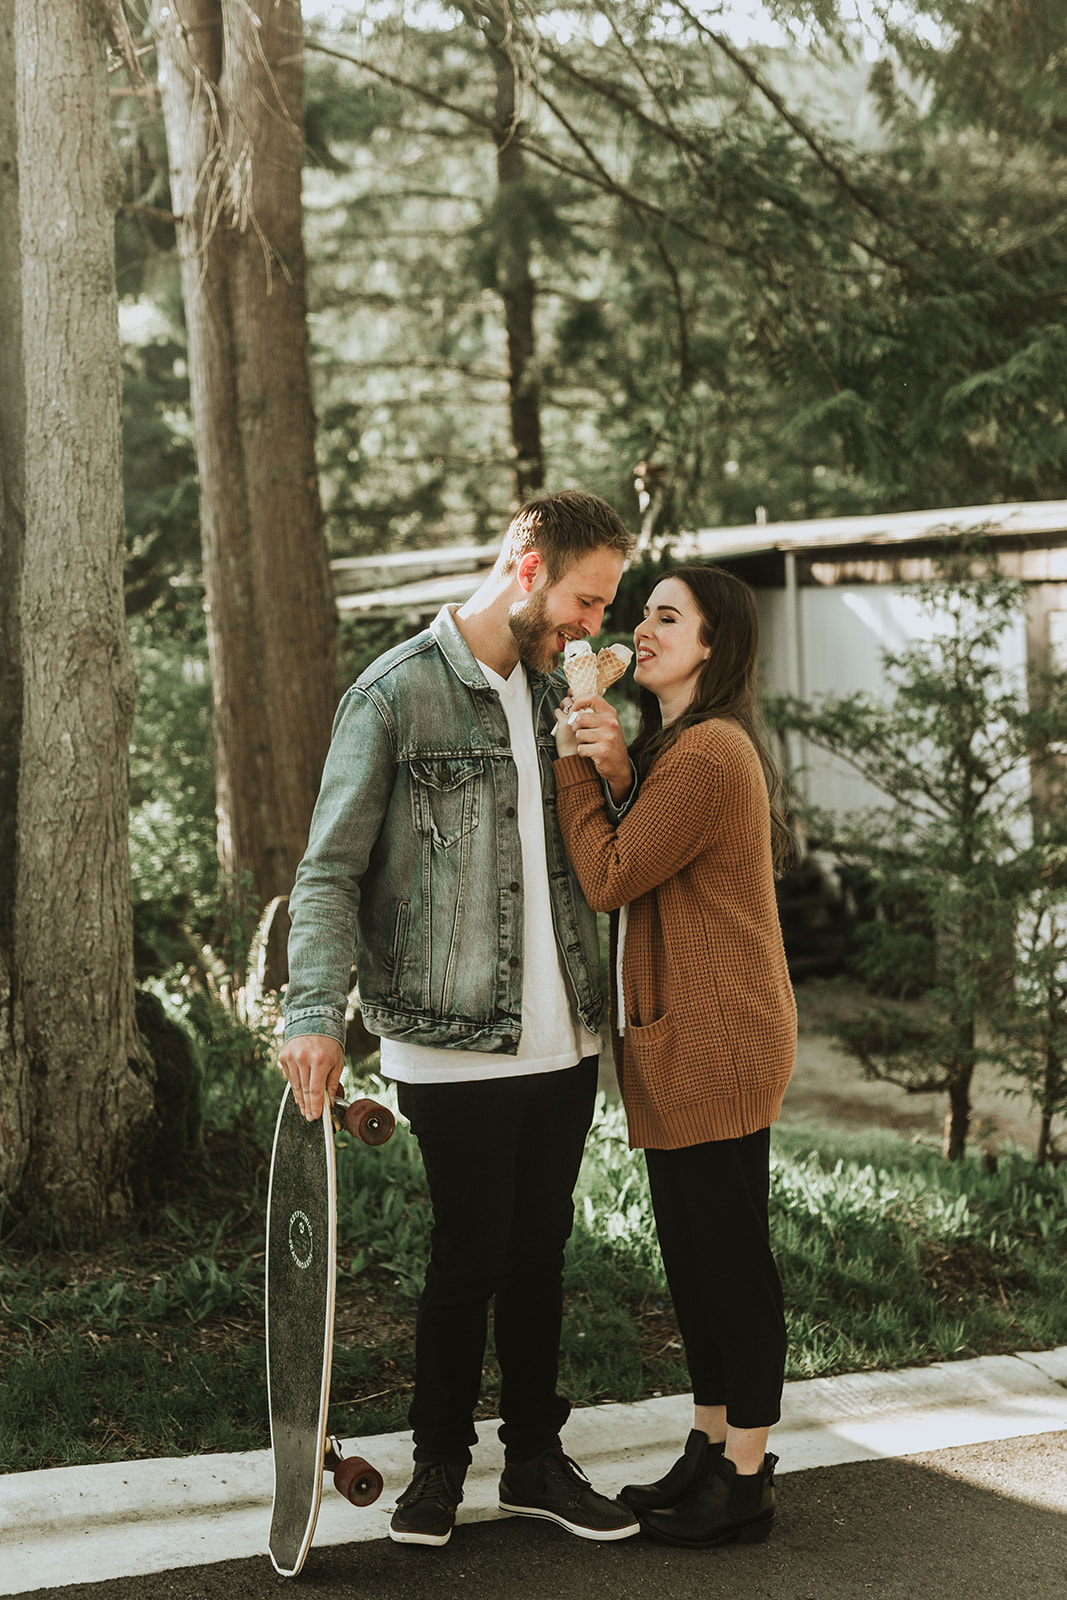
[(553, 1037)]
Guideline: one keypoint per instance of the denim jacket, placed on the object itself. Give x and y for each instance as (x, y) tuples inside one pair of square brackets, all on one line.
[(414, 866)]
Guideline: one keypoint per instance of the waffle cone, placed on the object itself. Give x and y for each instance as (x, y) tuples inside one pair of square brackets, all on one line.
[(611, 663), (582, 674)]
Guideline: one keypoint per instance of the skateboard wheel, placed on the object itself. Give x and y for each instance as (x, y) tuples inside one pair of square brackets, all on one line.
[(370, 1122), (358, 1481)]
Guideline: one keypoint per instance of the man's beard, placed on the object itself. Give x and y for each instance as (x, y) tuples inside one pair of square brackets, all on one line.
[(535, 637)]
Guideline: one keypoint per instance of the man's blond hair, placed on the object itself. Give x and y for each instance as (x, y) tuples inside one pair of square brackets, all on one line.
[(563, 528)]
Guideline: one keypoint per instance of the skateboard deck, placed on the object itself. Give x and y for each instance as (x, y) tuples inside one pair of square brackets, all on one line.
[(301, 1297)]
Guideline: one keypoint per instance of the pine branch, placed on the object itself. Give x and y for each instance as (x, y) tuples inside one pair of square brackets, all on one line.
[(835, 168)]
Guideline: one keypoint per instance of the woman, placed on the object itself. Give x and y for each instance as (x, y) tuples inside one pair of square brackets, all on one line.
[(703, 1018)]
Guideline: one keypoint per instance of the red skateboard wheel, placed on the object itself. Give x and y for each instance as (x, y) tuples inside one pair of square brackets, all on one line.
[(358, 1481), (370, 1122)]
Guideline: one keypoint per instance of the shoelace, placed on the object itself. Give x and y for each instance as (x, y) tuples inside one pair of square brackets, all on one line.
[(430, 1484), (573, 1470)]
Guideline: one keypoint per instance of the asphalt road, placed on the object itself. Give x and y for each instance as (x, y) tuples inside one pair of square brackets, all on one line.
[(988, 1522)]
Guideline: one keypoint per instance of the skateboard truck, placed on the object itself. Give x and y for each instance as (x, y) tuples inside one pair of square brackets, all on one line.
[(353, 1477), (365, 1120)]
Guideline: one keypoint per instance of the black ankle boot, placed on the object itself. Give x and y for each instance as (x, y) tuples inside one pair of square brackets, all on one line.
[(686, 1475), (723, 1510)]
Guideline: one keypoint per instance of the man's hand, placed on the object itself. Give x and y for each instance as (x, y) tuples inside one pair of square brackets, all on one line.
[(313, 1064), (599, 736)]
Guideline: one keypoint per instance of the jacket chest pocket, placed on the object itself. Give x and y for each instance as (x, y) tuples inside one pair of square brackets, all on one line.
[(446, 797)]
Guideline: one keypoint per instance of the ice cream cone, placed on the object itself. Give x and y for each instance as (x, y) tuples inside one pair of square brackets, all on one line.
[(580, 666), (611, 663)]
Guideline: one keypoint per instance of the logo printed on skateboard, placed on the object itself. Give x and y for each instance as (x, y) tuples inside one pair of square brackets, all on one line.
[(301, 1239)]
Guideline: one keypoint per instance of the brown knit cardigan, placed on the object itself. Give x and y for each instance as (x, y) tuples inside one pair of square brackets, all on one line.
[(710, 1018)]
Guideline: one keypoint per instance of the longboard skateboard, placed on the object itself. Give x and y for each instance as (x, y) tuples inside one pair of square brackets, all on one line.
[(301, 1298)]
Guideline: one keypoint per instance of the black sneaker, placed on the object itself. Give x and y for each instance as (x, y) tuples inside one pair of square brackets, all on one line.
[(552, 1486), (426, 1511)]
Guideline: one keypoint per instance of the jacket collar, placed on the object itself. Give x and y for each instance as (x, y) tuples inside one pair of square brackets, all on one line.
[(457, 652)]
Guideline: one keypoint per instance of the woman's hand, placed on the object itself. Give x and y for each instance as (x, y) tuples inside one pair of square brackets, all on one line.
[(566, 741), (598, 734)]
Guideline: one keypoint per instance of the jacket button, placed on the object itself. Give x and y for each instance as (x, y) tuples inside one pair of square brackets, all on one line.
[(503, 743), (507, 1041), (514, 887), (510, 812), (514, 962)]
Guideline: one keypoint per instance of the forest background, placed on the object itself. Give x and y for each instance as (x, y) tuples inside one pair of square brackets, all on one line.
[(561, 245), (379, 273), (379, 277)]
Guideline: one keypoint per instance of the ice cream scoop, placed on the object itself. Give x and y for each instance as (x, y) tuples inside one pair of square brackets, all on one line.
[(580, 667)]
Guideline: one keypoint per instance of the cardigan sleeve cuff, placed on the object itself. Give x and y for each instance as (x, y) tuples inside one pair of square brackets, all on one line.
[(617, 809), (570, 770)]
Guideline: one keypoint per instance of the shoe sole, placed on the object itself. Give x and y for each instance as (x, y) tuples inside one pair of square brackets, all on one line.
[(437, 1539), (571, 1527)]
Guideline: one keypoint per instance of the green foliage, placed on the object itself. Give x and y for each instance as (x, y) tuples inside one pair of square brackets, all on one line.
[(200, 1288), (383, 1207), (172, 784), (963, 1281), (106, 1400), (363, 639), (953, 748), (782, 303), (1030, 1021), (157, 1349), (998, 69), (242, 1085), (160, 488), (779, 313)]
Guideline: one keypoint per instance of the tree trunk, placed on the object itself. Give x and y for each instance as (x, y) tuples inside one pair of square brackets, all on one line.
[(232, 95), (514, 278), (1051, 1100), (73, 920), (14, 1076), (958, 1115)]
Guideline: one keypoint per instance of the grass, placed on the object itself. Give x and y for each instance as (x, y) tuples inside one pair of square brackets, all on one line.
[(155, 1345)]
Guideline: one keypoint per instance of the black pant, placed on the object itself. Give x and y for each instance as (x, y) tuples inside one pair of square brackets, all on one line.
[(501, 1159), (710, 1202)]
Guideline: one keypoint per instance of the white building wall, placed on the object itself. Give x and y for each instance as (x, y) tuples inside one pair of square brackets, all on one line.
[(841, 635)]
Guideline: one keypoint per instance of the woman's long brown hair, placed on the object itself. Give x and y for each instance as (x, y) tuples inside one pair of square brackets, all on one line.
[(726, 687)]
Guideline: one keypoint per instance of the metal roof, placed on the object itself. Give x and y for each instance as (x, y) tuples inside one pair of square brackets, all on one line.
[(1017, 519), (369, 584)]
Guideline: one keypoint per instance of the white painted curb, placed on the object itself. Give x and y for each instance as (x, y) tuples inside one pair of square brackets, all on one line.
[(88, 1524)]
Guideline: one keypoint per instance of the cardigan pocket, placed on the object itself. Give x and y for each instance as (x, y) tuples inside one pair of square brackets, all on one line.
[(651, 1034), (653, 1052), (673, 1070)]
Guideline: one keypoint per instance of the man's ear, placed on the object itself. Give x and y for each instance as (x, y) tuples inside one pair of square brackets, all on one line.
[(532, 563)]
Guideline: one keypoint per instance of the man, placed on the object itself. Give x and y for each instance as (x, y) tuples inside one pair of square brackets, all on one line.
[(435, 853)]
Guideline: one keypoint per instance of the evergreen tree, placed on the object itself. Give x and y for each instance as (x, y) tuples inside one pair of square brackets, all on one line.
[(952, 750), (1030, 1022), (766, 309)]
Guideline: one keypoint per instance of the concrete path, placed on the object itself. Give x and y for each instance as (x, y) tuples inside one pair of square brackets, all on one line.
[(79, 1526), (979, 1522)]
